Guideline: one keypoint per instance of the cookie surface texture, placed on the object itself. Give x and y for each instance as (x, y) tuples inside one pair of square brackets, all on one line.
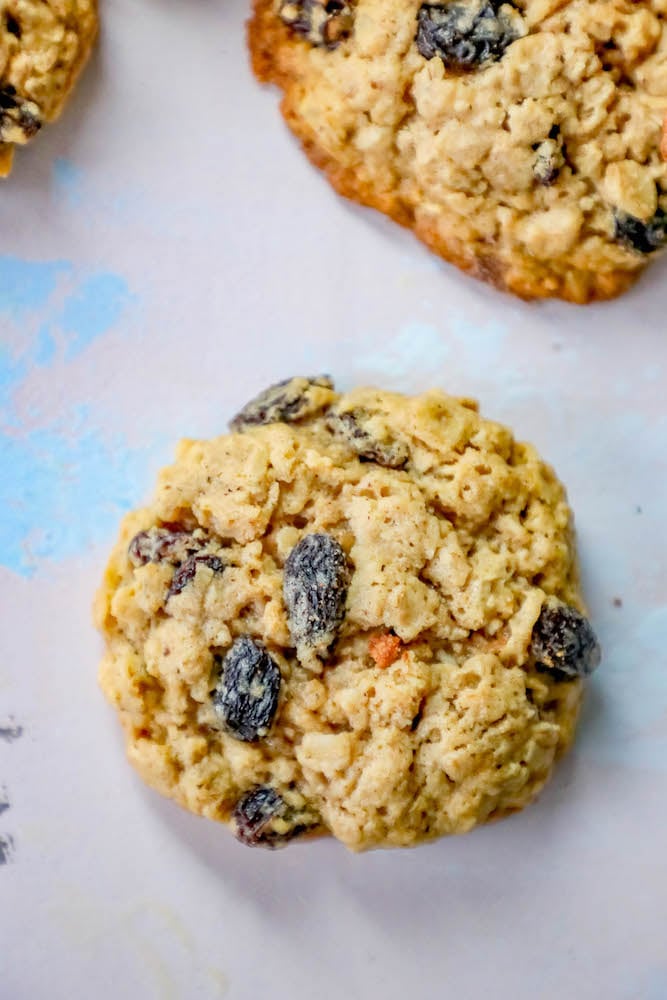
[(520, 141), (304, 640), (44, 44)]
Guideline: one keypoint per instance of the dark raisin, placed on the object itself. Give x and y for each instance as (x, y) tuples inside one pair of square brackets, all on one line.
[(12, 25), (466, 35), (315, 590), (185, 573), (246, 696), (17, 113), (644, 237), (162, 545), (352, 427), (563, 643), (254, 813), (8, 99), (323, 24), (287, 401), (262, 818)]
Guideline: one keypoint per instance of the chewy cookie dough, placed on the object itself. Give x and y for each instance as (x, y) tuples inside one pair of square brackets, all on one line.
[(44, 44), (356, 614), (523, 141)]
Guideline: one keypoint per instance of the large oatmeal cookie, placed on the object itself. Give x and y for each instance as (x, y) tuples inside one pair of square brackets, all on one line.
[(519, 140), (43, 47), (361, 618)]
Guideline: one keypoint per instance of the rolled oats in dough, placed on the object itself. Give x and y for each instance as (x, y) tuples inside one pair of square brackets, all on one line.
[(524, 141), (356, 614), (44, 44)]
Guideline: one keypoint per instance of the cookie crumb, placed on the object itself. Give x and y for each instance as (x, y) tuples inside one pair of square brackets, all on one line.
[(617, 602), (6, 849), (9, 730), (384, 649)]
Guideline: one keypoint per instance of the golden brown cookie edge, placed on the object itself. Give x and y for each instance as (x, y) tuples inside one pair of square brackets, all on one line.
[(268, 42)]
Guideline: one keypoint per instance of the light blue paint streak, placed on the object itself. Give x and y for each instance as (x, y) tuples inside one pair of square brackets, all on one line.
[(67, 178), (66, 492), (92, 310), (417, 347), (88, 312), (424, 349), (63, 484), (44, 350), (26, 285), (12, 372)]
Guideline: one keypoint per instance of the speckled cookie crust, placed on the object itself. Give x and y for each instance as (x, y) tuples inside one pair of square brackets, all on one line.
[(305, 635), (44, 44), (520, 141)]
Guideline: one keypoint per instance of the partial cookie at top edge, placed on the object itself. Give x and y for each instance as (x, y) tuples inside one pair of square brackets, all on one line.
[(43, 48), (535, 239)]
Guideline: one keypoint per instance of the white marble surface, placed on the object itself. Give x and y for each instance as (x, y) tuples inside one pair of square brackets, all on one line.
[(165, 252)]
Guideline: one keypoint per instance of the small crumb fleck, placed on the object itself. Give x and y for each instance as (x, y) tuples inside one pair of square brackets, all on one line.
[(617, 602), (6, 848), (384, 649), (9, 730)]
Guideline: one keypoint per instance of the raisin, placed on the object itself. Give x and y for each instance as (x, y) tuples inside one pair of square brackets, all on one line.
[(8, 98), (185, 573), (325, 24), (287, 401), (265, 818), (466, 35), (564, 643), (17, 114), (246, 696), (644, 237), (253, 815), (351, 426), (262, 818), (315, 590), (12, 25), (162, 545)]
